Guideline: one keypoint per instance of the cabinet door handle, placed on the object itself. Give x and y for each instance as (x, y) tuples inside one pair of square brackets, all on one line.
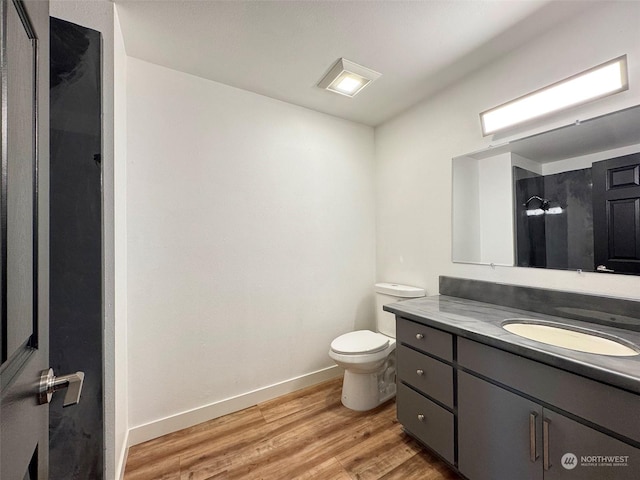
[(545, 444), (420, 372), (421, 417), (419, 336), (533, 417)]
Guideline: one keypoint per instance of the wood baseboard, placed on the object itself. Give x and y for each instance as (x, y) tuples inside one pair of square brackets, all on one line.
[(164, 426)]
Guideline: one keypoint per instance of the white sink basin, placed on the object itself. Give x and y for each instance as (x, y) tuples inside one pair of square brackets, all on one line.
[(566, 336)]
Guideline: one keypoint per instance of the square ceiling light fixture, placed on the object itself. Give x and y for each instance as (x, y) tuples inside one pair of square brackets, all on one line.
[(597, 82), (348, 78)]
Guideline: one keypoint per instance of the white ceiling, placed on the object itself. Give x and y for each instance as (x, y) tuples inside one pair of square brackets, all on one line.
[(282, 49)]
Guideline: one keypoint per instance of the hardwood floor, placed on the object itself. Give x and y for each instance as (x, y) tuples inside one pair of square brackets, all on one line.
[(305, 435)]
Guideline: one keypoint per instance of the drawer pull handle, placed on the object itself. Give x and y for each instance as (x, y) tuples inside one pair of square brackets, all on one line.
[(546, 463), (533, 454), (420, 372), (421, 417), (419, 336)]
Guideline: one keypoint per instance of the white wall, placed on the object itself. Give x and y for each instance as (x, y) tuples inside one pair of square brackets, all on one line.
[(482, 203), (467, 246), (414, 151), (585, 161), (527, 164), (250, 240), (99, 15), (495, 209)]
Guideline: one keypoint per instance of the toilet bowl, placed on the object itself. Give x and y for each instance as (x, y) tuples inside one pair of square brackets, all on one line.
[(367, 357)]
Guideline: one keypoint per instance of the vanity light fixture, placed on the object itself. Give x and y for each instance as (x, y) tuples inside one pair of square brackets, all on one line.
[(597, 82), (348, 78)]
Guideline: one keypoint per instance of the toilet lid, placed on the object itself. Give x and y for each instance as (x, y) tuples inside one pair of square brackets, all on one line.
[(361, 341)]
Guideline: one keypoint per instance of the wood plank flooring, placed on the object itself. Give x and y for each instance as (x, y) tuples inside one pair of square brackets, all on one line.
[(304, 435)]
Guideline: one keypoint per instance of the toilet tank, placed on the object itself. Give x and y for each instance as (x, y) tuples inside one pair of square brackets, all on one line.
[(391, 293)]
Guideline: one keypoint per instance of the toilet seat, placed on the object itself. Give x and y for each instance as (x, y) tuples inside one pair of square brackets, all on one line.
[(360, 342)]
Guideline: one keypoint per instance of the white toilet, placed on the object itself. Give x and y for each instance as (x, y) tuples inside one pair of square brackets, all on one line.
[(369, 358)]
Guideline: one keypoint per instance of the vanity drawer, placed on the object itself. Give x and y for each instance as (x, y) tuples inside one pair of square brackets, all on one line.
[(427, 339), (428, 422), (430, 376), (604, 405)]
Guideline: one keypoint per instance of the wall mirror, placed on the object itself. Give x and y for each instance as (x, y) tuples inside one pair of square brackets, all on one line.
[(564, 199)]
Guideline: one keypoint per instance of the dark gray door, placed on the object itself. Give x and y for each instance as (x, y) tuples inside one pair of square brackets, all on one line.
[(616, 214), (24, 238), (499, 433), (577, 452)]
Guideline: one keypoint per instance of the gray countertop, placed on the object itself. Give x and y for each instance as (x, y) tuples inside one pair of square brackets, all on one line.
[(483, 322)]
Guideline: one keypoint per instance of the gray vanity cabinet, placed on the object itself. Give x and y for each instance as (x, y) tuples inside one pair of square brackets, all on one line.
[(512, 390), (494, 415), (523, 440)]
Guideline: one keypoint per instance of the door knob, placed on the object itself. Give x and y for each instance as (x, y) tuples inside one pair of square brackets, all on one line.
[(49, 384)]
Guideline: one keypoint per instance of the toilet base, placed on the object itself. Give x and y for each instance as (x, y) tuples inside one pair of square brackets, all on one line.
[(364, 391)]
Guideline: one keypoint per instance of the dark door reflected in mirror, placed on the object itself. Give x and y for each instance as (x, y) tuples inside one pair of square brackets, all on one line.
[(616, 214)]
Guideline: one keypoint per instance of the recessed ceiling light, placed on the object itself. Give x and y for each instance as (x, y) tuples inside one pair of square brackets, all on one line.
[(597, 82), (348, 78)]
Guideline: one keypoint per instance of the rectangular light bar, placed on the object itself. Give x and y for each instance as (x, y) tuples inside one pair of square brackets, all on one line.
[(597, 82), (348, 78)]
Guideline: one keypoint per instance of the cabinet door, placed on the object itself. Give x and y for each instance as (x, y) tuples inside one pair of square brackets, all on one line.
[(499, 433), (577, 452)]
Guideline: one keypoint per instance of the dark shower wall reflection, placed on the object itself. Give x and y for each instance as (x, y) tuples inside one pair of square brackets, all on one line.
[(531, 246), (76, 434), (544, 232)]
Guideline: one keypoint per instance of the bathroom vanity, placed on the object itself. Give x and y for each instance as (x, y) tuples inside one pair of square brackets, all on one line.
[(495, 405)]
